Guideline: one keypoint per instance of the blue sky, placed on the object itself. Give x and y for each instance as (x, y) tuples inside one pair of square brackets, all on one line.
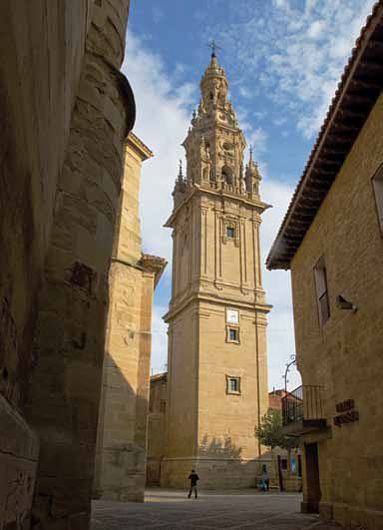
[(283, 60)]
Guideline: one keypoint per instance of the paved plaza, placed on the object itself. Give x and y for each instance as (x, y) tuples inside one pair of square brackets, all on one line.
[(235, 510)]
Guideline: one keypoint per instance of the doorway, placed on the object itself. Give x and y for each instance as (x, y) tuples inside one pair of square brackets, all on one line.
[(313, 491)]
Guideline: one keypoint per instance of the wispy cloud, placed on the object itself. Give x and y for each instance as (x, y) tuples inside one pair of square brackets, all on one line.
[(163, 116), (294, 50)]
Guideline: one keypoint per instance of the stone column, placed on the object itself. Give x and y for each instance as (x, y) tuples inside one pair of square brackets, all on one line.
[(69, 339)]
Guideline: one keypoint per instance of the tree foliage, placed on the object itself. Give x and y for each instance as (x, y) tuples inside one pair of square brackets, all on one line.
[(270, 431)]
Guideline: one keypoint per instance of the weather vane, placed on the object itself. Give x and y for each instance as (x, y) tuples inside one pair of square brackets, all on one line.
[(214, 46)]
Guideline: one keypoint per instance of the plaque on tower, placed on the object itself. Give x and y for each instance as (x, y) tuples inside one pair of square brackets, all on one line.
[(232, 316)]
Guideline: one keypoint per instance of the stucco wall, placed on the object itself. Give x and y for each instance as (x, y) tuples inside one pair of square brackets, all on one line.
[(345, 355)]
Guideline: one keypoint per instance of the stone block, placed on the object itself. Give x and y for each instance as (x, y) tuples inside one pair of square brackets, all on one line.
[(19, 451)]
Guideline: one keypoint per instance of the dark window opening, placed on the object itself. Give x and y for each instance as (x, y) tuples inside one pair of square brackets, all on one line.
[(227, 175), (230, 232), (233, 385), (322, 291)]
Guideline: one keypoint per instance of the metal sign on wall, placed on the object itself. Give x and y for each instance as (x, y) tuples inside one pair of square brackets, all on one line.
[(346, 413)]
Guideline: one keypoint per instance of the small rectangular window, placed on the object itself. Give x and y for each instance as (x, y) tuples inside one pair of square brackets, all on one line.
[(322, 291), (283, 463), (232, 334), (233, 385), (377, 184), (230, 232)]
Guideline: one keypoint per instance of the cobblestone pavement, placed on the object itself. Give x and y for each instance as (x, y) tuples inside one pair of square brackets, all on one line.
[(235, 510)]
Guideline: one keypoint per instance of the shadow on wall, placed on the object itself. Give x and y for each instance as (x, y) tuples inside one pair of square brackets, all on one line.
[(120, 465), (224, 448)]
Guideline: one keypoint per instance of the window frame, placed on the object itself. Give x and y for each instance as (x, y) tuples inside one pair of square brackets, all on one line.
[(377, 189), (230, 228), (229, 390), (321, 291), (236, 329)]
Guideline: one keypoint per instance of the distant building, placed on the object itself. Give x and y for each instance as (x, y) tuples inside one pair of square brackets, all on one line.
[(275, 399), (120, 472), (332, 241), (284, 468), (217, 378), (287, 464)]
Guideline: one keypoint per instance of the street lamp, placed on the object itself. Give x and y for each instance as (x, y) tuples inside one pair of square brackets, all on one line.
[(292, 361)]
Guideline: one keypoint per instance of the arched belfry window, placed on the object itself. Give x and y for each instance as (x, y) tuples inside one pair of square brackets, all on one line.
[(227, 175)]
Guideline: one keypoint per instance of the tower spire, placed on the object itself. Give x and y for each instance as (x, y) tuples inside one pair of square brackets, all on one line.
[(180, 171)]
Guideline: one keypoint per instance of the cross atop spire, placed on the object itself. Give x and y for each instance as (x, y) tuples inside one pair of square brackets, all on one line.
[(214, 46)]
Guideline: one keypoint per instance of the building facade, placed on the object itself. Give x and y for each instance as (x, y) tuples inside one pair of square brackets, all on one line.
[(122, 426), (286, 464), (65, 110), (283, 467), (158, 404), (217, 361), (332, 241)]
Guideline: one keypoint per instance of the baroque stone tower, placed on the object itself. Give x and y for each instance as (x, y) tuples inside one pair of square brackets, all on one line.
[(217, 358)]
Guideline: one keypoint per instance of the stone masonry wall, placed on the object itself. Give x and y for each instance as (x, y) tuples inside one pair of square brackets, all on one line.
[(156, 428), (69, 340), (122, 427), (345, 355), (41, 53), (62, 99)]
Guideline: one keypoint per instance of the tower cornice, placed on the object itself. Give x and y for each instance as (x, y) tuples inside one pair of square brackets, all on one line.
[(254, 203), (207, 297)]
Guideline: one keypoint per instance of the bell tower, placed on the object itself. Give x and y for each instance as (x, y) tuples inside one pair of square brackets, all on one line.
[(217, 358)]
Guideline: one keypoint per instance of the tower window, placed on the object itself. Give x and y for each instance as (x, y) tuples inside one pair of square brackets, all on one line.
[(322, 291), (232, 334), (227, 175), (233, 385), (230, 232)]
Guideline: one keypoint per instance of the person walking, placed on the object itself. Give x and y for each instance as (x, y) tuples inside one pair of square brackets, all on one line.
[(265, 479), (193, 477)]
